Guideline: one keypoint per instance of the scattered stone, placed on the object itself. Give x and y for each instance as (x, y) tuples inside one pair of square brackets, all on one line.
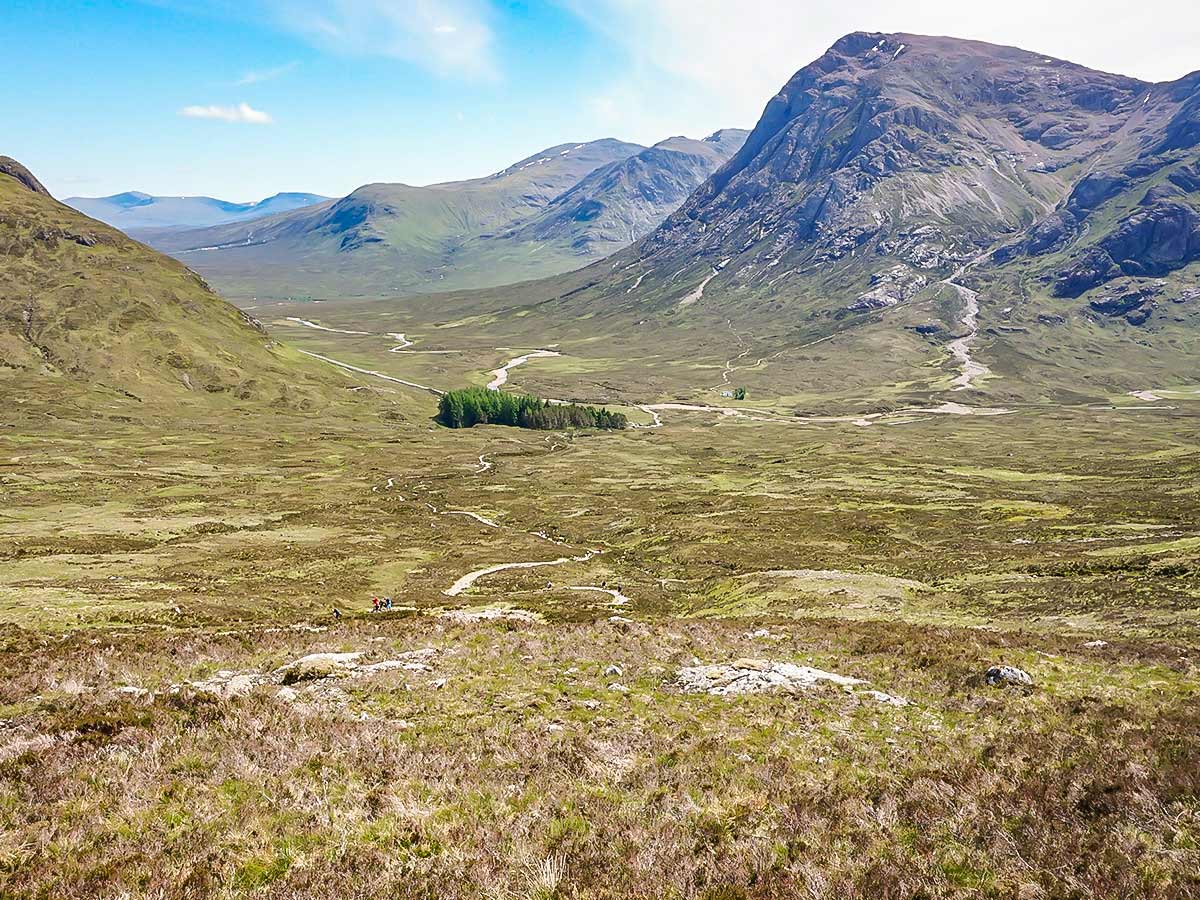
[(226, 683), (591, 704), (752, 676), (240, 685), (438, 683), (552, 727), (1000, 676), (889, 288), (318, 666), (613, 671), (1095, 645), (488, 613), (287, 695), (618, 687), (390, 664), (132, 690), (888, 699)]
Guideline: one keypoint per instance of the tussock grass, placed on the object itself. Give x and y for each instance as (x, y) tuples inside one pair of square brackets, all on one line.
[(506, 781)]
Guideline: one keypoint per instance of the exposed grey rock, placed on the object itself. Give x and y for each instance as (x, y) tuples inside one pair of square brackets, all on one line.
[(752, 676), (889, 288), (1000, 676), (489, 613), (318, 666), (756, 676), (925, 247), (1133, 303)]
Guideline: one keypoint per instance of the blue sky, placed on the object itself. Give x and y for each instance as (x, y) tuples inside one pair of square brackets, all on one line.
[(243, 98)]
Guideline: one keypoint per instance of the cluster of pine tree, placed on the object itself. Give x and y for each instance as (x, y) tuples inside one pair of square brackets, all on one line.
[(479, 406)]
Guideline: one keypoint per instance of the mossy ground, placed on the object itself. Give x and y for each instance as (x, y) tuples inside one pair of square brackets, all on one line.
[(138, 549)]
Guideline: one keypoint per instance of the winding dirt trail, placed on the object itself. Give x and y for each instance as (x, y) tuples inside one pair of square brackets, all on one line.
[(471, 577), (308, 324), (500, 375), (371, 372), (618, 599), (470, 515)]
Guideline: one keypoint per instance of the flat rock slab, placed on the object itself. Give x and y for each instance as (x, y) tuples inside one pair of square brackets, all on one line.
[(753, 676), (488, 614), (756, 676)]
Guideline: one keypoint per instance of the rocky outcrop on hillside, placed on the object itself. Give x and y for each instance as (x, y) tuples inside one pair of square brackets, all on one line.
[(9, 166)]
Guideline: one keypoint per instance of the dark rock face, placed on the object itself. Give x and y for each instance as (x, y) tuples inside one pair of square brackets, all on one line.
[(1156, 240), (11, 167), (1134, 303), (1150, 242), (1186, 178), (1183, 131), (1092, 268)]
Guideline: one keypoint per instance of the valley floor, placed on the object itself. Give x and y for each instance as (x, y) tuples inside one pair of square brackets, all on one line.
[(528, 733)]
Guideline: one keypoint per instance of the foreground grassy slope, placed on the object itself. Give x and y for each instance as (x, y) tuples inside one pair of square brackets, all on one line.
[(527, 734), (145, 557), (90, 310)]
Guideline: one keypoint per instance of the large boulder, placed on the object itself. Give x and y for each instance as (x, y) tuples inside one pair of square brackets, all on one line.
[(316, 666), (1007, 676)]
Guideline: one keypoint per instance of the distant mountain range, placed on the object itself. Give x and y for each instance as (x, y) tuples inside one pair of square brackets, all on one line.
[(548, 213), (134, 211)]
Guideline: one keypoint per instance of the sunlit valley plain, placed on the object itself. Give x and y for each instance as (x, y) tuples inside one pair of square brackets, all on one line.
[(850, 547)]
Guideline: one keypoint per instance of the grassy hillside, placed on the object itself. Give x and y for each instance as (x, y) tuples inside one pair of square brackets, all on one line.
[(550, 213), (86, 310)]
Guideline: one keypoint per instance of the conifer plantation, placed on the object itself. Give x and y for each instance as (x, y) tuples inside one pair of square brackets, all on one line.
[(472, 406)]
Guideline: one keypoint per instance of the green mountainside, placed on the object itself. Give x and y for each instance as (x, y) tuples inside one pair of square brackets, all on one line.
[(87, 309), (549, 213)]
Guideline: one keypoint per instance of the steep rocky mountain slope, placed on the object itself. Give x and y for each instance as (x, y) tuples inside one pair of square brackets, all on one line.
[(134, 211), (85, 309), (617, 204), (549, 213), (933, 202)]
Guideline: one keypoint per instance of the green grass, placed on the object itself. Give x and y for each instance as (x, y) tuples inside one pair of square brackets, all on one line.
[(153, 544)]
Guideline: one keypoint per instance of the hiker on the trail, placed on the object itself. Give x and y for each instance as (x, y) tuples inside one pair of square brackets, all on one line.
[(374, 604), (337, 613), (387, 603)]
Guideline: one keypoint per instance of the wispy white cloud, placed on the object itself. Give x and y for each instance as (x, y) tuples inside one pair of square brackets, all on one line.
[(737, 55), (243, 112), (256, 76), (448, 37)]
